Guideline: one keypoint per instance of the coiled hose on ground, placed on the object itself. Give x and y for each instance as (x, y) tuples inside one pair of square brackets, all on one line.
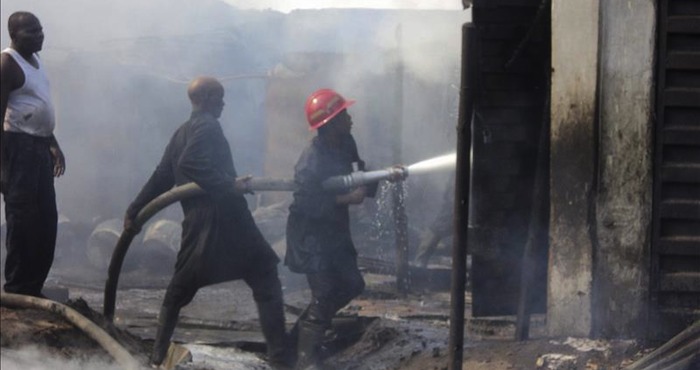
[(116, 350)]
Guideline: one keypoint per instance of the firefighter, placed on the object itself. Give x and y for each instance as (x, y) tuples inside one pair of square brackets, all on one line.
[(220, 240), (319, 243)]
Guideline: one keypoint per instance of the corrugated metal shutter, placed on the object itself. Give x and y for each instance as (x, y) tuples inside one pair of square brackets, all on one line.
[(676, 233)]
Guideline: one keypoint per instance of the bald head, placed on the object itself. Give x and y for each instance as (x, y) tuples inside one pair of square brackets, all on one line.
[(19, 20), (26, 33), (201, 87), (206, 95)]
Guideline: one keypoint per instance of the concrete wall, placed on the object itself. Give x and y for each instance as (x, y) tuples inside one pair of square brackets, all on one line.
[(602, 99), (572, 166), (623, 212)]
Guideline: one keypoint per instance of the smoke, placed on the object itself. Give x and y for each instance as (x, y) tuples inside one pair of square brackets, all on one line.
[(119, 71), (289, 5), (33, 358)]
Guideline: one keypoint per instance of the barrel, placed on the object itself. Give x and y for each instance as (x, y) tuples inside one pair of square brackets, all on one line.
[(101, 243), (161, 243)]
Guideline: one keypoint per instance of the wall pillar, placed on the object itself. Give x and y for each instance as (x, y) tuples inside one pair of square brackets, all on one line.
[(623, 212), (572, 166)]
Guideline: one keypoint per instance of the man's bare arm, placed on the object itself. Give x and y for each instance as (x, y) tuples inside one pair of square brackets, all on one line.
[(10, 78)]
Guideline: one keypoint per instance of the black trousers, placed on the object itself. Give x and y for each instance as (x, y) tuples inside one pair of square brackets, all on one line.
[(264, 282), (30, 210), (332, 289)]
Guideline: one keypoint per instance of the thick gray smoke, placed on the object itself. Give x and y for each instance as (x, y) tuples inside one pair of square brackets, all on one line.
[(119, 71)]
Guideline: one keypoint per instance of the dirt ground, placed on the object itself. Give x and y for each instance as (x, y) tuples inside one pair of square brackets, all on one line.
[(379, 330)]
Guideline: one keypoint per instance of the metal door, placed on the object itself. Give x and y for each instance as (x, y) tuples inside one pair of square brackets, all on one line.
[(510, 110), (675, 274)]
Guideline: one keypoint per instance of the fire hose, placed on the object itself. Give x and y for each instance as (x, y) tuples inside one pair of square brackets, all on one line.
[(116, 350), (189, 190)]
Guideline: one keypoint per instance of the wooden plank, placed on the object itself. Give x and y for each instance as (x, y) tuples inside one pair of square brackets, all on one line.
[(657, 183), (679, 228), (512, 133), (496, 48), (509, 99), (682, 97), (681, 117), (673, 191), (680, 282), (683, 7), (510, 116), (679, 302), (681, 209), (683, 60), (520, 66), (506, 3), (496, 150), (680, 172), (496, 15), (684, 24), (513, 32), (676, 78), (682, 135), (680, 245), (506, 81), (689, 154)]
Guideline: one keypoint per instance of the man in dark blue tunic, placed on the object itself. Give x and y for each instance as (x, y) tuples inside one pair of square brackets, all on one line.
[(319, 243), (220, 240)]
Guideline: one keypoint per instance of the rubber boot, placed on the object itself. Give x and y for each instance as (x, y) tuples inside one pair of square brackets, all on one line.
[(279, 350), (310, 336), (294, 332), (167, 320)]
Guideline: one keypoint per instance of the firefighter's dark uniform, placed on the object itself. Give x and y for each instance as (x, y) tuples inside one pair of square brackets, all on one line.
[(319, 242)]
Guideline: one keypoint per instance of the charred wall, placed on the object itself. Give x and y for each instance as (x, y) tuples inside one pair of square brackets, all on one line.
[(623, 199), (601, 172), (573, 161)]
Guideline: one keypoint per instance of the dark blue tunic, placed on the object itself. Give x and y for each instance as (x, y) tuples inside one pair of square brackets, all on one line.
[(318, 229), (220, 240)]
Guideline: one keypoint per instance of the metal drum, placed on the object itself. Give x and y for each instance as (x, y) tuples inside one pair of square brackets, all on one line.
[(161, 243), (101, 243)]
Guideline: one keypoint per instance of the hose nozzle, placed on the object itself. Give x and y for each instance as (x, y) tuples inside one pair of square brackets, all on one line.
[(394, 173)]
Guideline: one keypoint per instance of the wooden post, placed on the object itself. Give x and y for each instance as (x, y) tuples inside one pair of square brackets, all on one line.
[(462, 188), (527, 268)]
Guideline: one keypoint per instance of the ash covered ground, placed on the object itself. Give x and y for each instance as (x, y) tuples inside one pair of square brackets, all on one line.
[(379, 330)]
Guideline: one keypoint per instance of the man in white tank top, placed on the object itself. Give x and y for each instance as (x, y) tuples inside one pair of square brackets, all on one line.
[(30, 158)]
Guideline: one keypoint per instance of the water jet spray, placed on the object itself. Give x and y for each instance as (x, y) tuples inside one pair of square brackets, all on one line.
[(397, 172), (433, 164)]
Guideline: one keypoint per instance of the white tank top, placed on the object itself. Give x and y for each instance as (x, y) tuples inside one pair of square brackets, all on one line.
[(29, 108)]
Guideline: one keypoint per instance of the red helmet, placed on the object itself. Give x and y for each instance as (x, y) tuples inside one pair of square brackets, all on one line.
[(323, 105)]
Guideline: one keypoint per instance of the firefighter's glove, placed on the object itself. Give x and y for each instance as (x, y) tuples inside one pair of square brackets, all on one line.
[(242, 185), (398, 173)]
